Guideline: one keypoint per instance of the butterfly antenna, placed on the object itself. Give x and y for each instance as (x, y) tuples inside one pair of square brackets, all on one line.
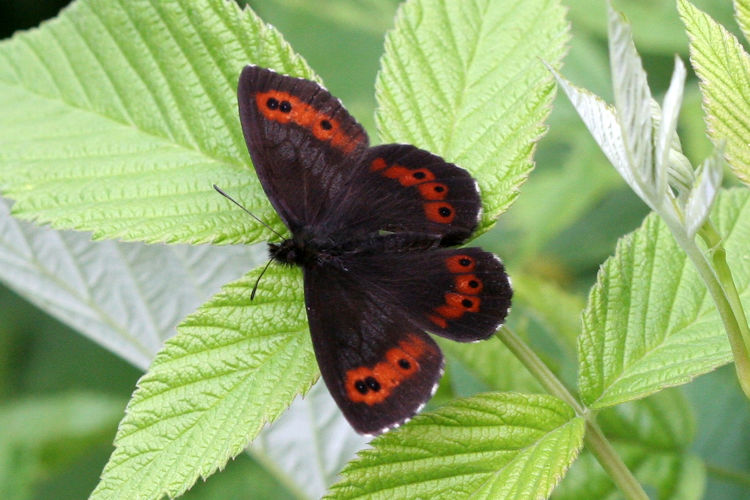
[(225, 195), (255, 288)]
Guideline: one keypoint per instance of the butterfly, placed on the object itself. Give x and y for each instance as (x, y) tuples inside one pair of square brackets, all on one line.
[(372, 229)]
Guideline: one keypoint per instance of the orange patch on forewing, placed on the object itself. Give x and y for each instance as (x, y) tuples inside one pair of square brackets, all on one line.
[(322, 126), (469, 284), (378, 164), (399, 364), (416, 176), (440, 212), (396, 172), (433, 191), (406, 176), (460, 263)]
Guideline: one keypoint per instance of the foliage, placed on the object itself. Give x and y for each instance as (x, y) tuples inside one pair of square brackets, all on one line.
[(119, 116)]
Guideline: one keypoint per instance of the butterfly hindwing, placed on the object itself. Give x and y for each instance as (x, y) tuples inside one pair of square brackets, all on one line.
[(379, 367), (302, 141), (476, 294), (463, 294)]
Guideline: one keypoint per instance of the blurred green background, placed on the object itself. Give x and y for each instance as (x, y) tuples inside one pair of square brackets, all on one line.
[(565, 224)]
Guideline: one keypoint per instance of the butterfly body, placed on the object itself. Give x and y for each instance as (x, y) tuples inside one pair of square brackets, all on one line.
[(372, 229)]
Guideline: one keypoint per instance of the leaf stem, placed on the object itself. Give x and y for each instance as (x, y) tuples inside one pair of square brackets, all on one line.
[(728, 302), (595, 439), (611, 462)]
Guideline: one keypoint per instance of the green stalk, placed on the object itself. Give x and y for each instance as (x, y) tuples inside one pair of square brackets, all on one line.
[(595, 439), (738, 339), (718, 254)]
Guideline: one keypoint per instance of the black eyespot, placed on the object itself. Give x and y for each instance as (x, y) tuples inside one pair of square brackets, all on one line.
[(439, 189), (474, 284), (360, 386), (466, 262), (467, 303), (325, 125), (444, 211), (272, 103), (372, 383), (404, 364), (419, 175), (285, 106)]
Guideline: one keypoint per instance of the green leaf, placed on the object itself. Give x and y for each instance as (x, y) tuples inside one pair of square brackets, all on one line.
[(119, 116), (742, 12), (653, 436), (633, 105), (494, 445), (650, 322), (233, 366), (703, 193), (465, 80), (601, 120), (723, 67)]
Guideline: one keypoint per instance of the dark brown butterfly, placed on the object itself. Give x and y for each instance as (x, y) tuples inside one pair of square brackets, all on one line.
[(370, 227)]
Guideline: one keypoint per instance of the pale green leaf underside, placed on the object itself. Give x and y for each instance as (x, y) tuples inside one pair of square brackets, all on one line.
[(650, 322), (233, 366), (310, 443), (723, 67), (465, 80), (494, 445), (128, 297), (118, 116)]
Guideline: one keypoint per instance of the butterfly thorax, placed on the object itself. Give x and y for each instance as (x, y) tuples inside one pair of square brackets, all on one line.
[(305, 249)]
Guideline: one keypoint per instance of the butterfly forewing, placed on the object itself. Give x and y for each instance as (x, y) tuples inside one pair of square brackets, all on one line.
[(302, 142), (401, 188)]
